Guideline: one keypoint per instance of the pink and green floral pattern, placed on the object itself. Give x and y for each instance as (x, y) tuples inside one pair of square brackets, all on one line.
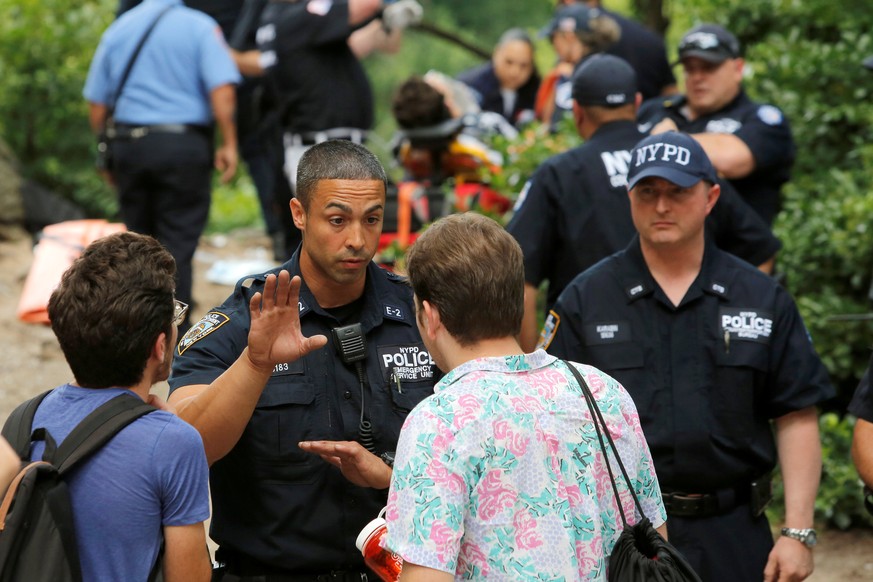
[(499, 474)]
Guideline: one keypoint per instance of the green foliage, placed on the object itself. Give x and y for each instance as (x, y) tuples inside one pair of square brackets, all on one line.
[(234, 205), (840, 500), (46, 46)]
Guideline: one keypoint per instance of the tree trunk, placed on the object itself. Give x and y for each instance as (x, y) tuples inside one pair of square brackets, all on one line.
[(651, 12)]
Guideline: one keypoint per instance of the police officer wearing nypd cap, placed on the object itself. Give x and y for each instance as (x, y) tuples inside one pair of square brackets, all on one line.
[(281, 513), (749, 143), (574, 210), (712, 351)]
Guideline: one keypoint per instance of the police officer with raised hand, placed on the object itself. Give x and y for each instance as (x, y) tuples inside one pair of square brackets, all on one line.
[(749, 143), (711, 350), (279, 511), (574, 211), (181, 84)]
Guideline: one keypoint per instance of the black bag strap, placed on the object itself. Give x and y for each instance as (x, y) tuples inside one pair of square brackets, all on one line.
[(111, 105), (97, 429), (597, 418), (17, 428)]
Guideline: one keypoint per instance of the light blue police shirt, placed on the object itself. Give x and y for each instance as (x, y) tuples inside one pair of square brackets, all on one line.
[(183, 60)]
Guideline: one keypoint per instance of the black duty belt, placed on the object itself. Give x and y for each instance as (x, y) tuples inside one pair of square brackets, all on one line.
[(682, 504), (351, 134), (129, 131), (246, 568)]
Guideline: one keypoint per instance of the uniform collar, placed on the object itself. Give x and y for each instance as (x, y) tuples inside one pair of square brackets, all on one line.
[(676, 103), (504, 364), (612, 128), (637, 281), (381, 299)]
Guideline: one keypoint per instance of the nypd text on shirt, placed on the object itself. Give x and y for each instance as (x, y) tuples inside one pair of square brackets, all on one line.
[(410, 363)]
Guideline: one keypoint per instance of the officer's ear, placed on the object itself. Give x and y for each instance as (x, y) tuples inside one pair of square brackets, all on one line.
[(298, 214), (712, 197)]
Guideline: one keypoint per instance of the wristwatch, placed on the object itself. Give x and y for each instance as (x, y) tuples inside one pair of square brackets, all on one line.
[(805, 536), (388, 458)]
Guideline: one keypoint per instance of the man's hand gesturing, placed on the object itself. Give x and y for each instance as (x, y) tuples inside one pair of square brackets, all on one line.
[(275, 336)]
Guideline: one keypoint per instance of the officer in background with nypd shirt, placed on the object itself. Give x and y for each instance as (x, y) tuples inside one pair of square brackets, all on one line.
[(711, 350), (750, 144), (574, 210), (279, 511)]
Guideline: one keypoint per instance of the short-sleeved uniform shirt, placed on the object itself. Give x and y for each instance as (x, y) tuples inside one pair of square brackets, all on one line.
[(320, 83), (862, 401), (272, 501), (575, 211), (499, 475), (708, 375), (763, 128), (151, 475), (645, 52), (183, 60)]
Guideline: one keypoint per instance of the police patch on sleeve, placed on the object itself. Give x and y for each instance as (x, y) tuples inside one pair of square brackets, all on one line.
[(746, 324), (210, 322), (405, 363), (522, 196), (769, 115), (550, 328)]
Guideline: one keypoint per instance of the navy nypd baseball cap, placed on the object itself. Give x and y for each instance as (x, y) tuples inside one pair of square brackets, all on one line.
[(604, 80), (572, 18), (673, 156), (709, 42)]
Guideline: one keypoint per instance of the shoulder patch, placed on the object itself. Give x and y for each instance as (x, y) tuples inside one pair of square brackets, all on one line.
[(209, 323), (394, 312), (550, 328), (522, 196), (769, 115)]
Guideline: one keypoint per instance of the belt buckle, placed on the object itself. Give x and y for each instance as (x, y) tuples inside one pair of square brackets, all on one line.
[(138, 132)]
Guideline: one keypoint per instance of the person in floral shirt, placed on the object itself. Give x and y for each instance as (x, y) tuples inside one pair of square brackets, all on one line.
[(499, 474)]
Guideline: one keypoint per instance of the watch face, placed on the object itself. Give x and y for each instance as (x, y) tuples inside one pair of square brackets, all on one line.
[(810, 539)]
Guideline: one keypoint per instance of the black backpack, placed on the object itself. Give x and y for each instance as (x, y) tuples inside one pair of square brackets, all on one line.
[(37, 537)]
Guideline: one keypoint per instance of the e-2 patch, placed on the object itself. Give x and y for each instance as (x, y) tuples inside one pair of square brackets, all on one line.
[(209, 323)]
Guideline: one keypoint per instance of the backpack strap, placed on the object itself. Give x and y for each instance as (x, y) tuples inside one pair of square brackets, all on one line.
[(97, 429), (17, 429)]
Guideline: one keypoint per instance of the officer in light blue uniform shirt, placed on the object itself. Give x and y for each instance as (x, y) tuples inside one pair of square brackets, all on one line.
[(181, 85)]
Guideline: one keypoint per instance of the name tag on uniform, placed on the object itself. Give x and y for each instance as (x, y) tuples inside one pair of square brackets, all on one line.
[(607, 332), (746, 324)]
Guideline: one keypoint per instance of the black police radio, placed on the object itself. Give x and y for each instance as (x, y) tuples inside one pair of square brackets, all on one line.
[(351, 345)]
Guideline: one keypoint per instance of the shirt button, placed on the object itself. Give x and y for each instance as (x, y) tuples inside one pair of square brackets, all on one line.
[(347, 395)]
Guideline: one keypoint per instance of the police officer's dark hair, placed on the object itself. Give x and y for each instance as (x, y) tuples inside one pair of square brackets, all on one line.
[(417, 104), (110, 307), (472, 271), (336, 159)]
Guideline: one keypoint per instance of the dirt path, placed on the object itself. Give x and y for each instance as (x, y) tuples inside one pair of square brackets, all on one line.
[(32, 362)]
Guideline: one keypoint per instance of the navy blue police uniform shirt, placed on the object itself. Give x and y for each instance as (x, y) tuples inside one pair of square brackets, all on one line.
[(320, 82), (763, 128), (707, 375), (575, 211), (272, 501), (645, 52), (862, 401)]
